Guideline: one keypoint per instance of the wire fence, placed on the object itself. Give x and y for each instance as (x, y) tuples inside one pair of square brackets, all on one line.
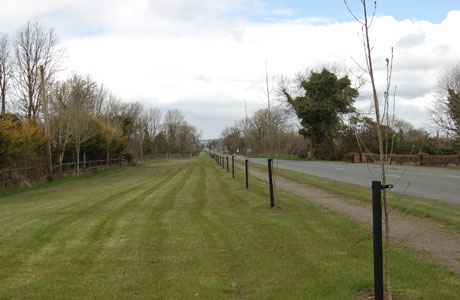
[(29, 175)]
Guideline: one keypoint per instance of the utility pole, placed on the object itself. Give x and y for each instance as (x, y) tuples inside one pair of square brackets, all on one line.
[(2, 112), (268, 98), (245, 128), (269, 108), (47, 126)]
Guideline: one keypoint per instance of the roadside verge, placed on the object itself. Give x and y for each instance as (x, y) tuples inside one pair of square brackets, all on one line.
[(424, 236)]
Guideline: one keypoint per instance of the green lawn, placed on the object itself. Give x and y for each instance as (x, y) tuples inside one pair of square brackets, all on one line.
[(183, 229)]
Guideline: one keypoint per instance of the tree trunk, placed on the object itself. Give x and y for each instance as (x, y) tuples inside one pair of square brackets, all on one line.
[(61, 158), (3, 92), (84, 160), (47, 127), (77, 148)]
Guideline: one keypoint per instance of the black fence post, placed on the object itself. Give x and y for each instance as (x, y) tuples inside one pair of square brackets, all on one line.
[(247, 177), (228, 168), (223, 162), (377, 232), (233, 166), (270, 181)]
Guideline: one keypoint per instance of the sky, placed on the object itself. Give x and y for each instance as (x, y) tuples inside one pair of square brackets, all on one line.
[(208, 57)]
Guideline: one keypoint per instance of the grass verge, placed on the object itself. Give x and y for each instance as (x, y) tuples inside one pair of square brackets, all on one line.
[(444, 214), (58, 181), (184, 229)]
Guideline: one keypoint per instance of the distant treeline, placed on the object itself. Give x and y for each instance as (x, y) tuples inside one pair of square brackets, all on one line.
[(86, 120), (329, 126)]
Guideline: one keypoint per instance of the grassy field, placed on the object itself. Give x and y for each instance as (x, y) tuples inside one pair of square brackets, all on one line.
[(183, 229), (443, 213)]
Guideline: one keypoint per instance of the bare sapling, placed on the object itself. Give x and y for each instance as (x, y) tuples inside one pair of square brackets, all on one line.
[(366, 23)]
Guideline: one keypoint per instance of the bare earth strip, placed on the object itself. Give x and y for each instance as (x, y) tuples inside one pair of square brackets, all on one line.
[(424, 236)]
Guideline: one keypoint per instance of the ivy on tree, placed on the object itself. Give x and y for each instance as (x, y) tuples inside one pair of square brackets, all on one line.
[(453, 105), (326, 99)]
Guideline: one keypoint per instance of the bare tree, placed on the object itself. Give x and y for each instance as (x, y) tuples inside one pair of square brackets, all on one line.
[(141, 133), (268, 91), (130, 115), (366, 23), (113, 123), (44, 97), (233, 137), (61, 122), (446, 113), (101, 97), (34, 46), (82, 98), (188, 139), (5, 69), (153, 122), (173, 120)]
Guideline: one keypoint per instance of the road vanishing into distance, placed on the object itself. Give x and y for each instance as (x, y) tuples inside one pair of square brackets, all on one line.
[(442, 184)]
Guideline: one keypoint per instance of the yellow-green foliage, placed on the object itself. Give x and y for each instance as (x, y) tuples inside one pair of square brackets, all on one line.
[(106, 139), (20, 142)]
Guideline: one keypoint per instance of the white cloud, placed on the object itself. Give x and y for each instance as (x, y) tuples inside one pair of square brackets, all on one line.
[(206, 57)]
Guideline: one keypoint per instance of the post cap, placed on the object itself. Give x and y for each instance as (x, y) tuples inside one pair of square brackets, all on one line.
[(376, 185)]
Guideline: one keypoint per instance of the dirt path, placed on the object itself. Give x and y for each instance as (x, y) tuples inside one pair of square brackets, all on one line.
[(424, 236)]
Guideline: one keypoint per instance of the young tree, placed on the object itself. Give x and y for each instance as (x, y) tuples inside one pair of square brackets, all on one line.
[(34, 46), (380, 119), (5, 70), (325, 100)]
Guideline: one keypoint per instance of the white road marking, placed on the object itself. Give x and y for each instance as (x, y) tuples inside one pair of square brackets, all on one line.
[(453, 176), (425, 173)]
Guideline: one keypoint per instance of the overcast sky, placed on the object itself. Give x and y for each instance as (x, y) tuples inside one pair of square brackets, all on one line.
[(206, 57)]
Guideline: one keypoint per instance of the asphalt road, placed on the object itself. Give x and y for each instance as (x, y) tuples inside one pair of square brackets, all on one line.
[(440, 184)]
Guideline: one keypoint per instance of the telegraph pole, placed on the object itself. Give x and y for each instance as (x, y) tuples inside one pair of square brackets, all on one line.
[(245, 128), (47, 126)]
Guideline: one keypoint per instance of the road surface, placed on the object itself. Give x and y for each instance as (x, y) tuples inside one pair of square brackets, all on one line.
[(440, 184)]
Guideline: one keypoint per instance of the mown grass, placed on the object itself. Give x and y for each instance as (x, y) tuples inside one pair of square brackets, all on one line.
[(183, 229), (57, 181), (445, 214)]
